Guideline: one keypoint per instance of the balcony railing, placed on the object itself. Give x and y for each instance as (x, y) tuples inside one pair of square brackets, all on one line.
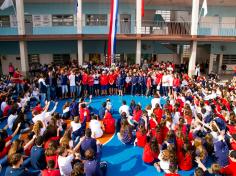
[(166, 28), (217, 29), (148, 27)]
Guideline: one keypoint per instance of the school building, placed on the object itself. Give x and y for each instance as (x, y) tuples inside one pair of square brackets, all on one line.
[(45, 31)]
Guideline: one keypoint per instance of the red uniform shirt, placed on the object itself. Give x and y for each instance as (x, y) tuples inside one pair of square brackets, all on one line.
[(153, 123), (141, 139), (176, 82), (54, 158), (233, 145), (137, 115), (84, 79), (6, 110), (84, 112), (103, 80), (230, 169), (49, 172), (112, 78), (148, 155), (158, 136), (109, 123), (16, 77), (158, 112), (90, 80), (185, 162)]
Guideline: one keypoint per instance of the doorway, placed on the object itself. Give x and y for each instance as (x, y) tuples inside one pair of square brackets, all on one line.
[(125, 23)]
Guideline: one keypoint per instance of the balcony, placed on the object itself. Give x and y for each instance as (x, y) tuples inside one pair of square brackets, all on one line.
[(217, 29), (166, 28)]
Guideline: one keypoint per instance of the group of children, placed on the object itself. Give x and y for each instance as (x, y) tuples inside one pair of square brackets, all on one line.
[(189, 121)]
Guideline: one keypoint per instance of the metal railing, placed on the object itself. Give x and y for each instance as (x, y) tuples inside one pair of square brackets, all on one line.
[(166, 28), (217, 29)]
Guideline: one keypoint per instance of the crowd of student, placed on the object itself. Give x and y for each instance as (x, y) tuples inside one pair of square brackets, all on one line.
[(188, 122)]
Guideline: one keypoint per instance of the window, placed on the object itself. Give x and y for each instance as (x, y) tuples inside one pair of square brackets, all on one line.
[(62, 20), (4, 21), (96, 20), (165, 14), (61, 59), (229, 60), (42, 20), (34, 61)]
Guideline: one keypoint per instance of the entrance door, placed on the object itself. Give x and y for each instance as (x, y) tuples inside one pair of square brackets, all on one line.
[(125, 23)]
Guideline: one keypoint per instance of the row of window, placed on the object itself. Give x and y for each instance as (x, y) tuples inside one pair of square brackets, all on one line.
[(55, 20)]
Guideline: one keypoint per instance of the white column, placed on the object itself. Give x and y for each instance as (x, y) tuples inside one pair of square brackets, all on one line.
[(21, 31), (138, 30), (24, 57), (138, 52), (20, 17), (192, 59), (138, 17), (80, 52), (79, 17), (79, 31), (220, 63), (211, 61), (195, 13)]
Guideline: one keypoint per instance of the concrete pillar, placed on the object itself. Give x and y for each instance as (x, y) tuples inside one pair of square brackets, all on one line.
[(24, 57), (79, 17), (21, 31), (138, 16), (220, 63), (195, 14), (138, 52), (192, 59), (20, 16), (80, 52), (211, 61), (138, 30), (79, 31)]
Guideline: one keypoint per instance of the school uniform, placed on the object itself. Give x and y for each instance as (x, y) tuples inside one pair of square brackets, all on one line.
[(38, 160), (149, 156), (221, 152), (88, 143), (141, 139), (109, 123), (18, 172), (120, 83), (134, 81)]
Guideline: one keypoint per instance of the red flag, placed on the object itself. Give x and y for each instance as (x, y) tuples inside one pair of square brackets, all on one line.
[(142, 8)]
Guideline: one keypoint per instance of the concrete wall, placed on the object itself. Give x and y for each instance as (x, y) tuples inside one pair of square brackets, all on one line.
[(9, 59)]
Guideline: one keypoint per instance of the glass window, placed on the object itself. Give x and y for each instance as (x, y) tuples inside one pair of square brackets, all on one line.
[(62, 20), (96, 20), (229, 60), (4, 21), (42, 20), (165, 14)]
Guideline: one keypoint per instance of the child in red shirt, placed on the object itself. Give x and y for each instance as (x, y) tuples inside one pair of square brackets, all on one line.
[(85, 83), (141, 136), (50, 171), (104, 83), (151, 152), (109, 123)]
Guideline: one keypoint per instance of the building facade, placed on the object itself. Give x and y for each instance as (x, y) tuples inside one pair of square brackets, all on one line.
[(61, 31)]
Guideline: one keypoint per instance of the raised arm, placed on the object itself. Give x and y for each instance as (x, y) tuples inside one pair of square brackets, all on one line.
[(16, 130), (29, 143)]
